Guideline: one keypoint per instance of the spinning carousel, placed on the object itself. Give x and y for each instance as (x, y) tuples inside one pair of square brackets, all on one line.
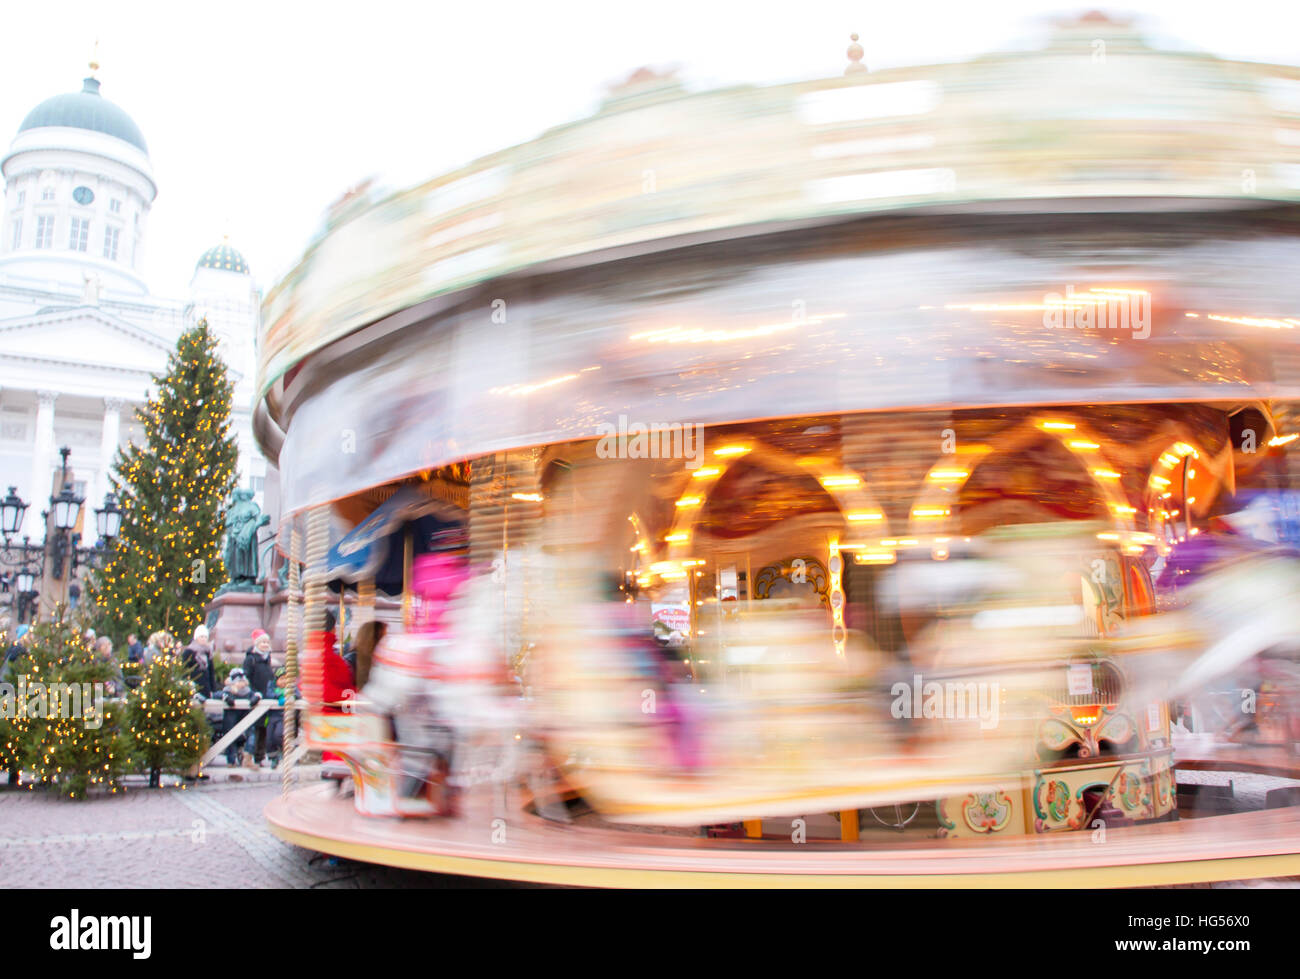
[(854, 513)]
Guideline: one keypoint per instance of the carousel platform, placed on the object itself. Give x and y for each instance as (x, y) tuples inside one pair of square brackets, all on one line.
[(500, 839)]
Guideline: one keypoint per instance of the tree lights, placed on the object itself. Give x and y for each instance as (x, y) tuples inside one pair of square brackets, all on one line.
[(165, 564), (71, 751), (167, 728)]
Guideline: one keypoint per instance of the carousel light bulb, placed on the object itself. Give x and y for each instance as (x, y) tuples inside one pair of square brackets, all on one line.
[(947, 475), (840, 482)]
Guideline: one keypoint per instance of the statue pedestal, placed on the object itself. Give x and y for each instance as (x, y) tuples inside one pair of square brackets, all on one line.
[(238, 614)]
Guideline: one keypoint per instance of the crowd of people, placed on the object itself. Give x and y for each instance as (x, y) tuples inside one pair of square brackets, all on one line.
[(257, 678), (238, 686), (241, 689)]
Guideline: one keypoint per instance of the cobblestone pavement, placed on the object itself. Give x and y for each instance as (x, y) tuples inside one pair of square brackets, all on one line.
[(210, 836)]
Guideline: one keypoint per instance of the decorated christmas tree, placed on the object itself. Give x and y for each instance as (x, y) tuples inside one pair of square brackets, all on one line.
[(13, 726), (167, 727), (72, 738), (166, 562)]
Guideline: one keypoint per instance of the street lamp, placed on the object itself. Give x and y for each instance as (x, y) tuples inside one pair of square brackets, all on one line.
[(27, 559), (26, 581), (62, 545), (67, 505), (108, 519), (12, 511)]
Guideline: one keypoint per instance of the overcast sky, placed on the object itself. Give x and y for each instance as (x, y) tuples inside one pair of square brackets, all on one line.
[(259, 114)]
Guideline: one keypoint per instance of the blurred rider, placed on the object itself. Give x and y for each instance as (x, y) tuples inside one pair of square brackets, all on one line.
[(404, 679)]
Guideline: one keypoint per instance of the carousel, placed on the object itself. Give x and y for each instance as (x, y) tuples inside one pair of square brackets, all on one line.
[(847, 483)]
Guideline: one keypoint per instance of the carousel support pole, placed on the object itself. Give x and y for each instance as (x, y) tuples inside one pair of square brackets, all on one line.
[(408, 555), (692, 620), (365, 601), (505, 543), (849, 825), (315, 591), (289, 740)]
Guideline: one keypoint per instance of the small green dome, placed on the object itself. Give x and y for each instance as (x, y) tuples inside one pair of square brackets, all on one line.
[(223, 257), (86, 109)]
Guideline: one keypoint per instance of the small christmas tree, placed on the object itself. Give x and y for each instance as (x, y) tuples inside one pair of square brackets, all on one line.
[(73, 739), (13, 728), (168, 728), (165, 564)]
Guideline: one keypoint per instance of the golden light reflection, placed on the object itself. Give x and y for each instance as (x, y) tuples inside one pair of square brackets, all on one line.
[(1264, 322), (840, 482), (857, 516), (696, 334), (514, 390)]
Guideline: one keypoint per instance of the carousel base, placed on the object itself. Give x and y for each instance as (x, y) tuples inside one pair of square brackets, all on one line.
[(498, 840)]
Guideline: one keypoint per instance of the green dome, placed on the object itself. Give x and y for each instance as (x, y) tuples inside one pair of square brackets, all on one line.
[(223, 257), (86, 109)]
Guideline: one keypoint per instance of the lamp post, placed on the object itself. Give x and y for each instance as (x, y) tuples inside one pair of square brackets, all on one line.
[(66, 508), (108, 519), (26, 558), (12, 510), (26, 581), (62, 547)]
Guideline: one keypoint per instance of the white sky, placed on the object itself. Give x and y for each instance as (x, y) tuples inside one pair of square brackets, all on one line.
[(259, 114)]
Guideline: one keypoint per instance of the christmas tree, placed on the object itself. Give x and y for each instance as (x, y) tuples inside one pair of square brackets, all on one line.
[(168, 728), (165, 564), (13, 728), (72, 738)]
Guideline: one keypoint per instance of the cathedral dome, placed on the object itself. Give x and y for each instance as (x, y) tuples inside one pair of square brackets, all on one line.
[(223, 257), (86, 109)]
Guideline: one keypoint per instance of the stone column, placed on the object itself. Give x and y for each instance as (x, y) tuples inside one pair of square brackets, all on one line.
[(107, 450), (42, 451)]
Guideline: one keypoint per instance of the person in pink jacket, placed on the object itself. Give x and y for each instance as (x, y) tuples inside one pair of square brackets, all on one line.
[(407, 673)]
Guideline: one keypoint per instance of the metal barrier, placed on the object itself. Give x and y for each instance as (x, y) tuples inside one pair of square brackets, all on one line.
[(216, 707)]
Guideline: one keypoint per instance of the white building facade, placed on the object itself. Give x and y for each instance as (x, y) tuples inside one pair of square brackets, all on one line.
[(81, 337)]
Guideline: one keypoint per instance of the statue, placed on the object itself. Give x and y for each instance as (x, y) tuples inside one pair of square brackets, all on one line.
[(243, 520)]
